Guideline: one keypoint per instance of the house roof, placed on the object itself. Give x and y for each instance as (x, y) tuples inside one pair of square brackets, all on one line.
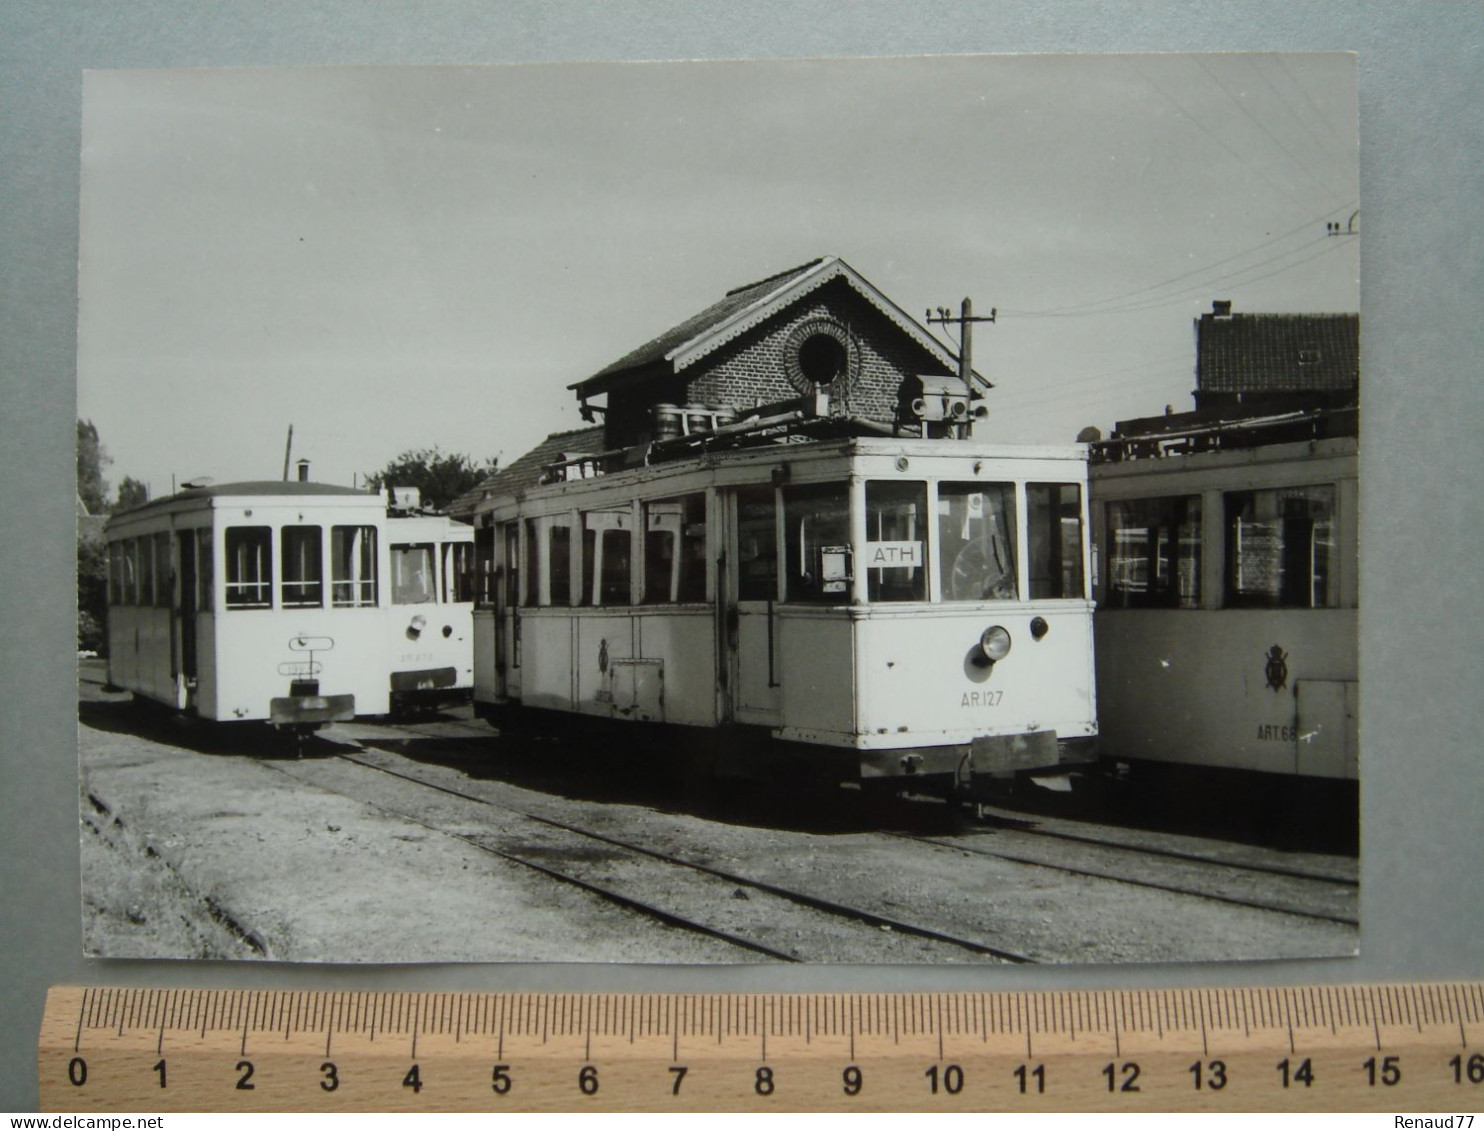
[(740, 310), (526, 471), (1244, 353)]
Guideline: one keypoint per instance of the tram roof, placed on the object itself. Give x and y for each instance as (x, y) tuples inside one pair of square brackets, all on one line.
[(252, 488)]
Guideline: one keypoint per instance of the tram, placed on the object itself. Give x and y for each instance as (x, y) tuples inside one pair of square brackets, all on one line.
[(880, 609), (431, 616), (293, 603), (1227, 596)]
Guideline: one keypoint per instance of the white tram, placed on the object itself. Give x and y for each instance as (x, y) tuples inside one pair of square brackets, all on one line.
[(430, 626), (1227, 595), (888, 608), (294, 603)]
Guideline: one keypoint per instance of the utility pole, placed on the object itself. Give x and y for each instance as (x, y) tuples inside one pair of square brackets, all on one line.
[(288, 448), (965, 323)]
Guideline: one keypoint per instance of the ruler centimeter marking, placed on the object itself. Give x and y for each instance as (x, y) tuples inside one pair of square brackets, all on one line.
[(1383, 1047)]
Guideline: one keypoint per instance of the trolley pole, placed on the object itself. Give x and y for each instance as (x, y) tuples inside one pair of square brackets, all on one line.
[(965, 323)]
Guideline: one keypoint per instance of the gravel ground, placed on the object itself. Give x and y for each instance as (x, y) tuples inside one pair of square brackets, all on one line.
[(197, 843)]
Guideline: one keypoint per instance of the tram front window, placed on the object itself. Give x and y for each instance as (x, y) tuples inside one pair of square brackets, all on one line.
[(816, 523), (413, 578), (895, 553), (303, 572), (353, 566), (1055, 540), (976, 540), (249, 567)]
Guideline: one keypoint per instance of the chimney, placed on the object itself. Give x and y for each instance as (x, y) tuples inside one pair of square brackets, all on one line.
[(303, 466), (1222, 308)]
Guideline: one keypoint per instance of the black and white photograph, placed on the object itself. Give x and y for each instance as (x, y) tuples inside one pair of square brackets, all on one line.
[(874, 511)]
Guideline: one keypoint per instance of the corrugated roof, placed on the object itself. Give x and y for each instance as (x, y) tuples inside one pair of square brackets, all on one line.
[(526, 471), (1245, 353)]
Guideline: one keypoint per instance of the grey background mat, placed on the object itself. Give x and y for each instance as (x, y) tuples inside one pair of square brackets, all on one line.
[(1421, 93)]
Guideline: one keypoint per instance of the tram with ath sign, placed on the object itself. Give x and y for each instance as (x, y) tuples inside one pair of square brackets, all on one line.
[(883, 609)]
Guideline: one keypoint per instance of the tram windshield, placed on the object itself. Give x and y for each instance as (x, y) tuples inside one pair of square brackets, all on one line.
[(895, 552), (1054, 530), (414, 577), (976, 539)]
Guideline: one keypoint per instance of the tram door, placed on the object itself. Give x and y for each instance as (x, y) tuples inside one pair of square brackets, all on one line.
[(751, 584), (185, 620)]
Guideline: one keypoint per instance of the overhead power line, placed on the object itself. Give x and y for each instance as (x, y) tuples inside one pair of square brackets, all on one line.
[(1123, 296)]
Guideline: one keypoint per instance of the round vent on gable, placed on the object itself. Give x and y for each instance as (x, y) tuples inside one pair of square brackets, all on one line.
[(821, 354)]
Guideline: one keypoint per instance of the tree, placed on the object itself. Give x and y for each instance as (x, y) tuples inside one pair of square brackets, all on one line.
[(92, 488), (441, 477), (132, 493)]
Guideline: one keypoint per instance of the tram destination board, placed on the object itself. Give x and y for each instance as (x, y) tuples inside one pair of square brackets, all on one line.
[(1398, 1048)]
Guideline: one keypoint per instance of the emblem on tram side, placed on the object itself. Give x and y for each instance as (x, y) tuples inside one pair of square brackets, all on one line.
[(1277, 668)]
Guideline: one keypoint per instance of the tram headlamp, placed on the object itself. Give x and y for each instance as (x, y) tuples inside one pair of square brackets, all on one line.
[(994, 642)]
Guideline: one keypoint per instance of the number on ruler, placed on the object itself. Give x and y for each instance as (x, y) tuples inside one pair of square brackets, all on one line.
[(1130, 1072), (1024, 1075), (1212, 1075), (1473, 1071), (1390, 1073), (1303, 1074), (953, 1079), (244, 1081), (852, 1080), (160, 1068)]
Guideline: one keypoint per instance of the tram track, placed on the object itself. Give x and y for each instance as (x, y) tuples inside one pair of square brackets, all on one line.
[(1284, 890), (816, 921), (1289, 892)]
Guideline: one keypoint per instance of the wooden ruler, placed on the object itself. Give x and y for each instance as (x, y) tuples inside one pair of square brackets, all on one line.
[(1401, 1048)]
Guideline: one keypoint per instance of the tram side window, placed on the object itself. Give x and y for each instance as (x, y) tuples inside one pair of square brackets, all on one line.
[(512, 564), (301, 555), (1279, 547), (458, 572), (816, 545), (675, 550), (115, 573), (249, 567), (413, 581), (484, 577), (976, 541), (895, 554), (549, 551), (146, 558), (353, 567), (1054, 514), (606, 549), (128, 580), (164, 571), (757, 544), (204, 575), (1154, 553)]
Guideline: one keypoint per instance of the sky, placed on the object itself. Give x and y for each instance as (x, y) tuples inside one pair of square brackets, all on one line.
[(397, 258)]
